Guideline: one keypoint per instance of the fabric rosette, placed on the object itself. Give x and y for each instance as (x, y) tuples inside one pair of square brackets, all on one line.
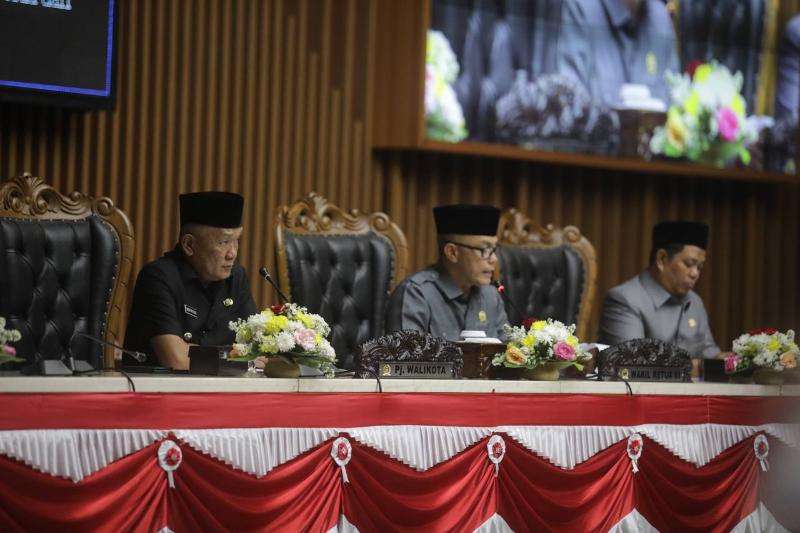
[(289, 331), (496, 450), (538, 342)]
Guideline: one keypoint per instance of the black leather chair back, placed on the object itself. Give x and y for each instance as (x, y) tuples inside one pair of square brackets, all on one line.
[(542, 282), (56, 280), (728, 31), (344, 278)]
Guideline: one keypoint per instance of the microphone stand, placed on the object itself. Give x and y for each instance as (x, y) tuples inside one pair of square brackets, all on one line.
[(501, 288), (265, 274), (138, 356)]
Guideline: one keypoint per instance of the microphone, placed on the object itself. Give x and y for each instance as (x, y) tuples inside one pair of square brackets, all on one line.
[(502, 290), (139, 356), (265, 274)]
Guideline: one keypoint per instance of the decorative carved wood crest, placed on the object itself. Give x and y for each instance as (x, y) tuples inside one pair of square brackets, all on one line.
[(406, 346), (643, 352), (515, 229), (28, 196)]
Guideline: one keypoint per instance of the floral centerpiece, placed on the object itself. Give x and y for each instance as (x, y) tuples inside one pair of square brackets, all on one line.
[(7, 352), (286, 330), (706, 120), (765, 348), (444, 118), (544, 342)]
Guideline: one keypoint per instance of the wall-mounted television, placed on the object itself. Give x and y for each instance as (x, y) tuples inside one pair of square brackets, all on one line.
[(58, 52), (712, 82)]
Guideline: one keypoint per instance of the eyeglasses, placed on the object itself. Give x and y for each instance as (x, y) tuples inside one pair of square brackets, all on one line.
[(485, 253)]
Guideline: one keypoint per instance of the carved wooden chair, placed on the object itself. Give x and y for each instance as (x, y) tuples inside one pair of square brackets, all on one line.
[(65, 269), (405, 346), (341, 265), (548, 272)]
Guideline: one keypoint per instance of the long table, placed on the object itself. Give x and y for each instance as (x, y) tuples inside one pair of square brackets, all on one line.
[(196, 453)]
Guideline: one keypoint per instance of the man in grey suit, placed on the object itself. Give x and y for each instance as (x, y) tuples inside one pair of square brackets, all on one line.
[(659, 303), (607, 43), (455, 294)]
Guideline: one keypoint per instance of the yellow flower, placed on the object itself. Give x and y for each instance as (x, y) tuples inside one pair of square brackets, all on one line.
[(676, 130), (270, 345), (244, 335), (692, 104), (305, 320), (318, 338), (572, 340), (773, 345), (789, 360), (529, 341), (515, 356), (539, 325), (702, 73), (738, 105), (276, 324)]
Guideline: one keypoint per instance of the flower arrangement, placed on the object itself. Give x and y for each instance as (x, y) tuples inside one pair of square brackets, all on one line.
[(763, 348), (706, 120), (7, 352), (444, 118), (544, 341), (288, 330)]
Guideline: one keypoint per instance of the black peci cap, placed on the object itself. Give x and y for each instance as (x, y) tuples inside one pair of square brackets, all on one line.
[(212, 208), (462, 219), (680, 232)]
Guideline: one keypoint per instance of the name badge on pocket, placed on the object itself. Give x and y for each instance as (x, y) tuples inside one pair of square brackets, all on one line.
[(191, 311)]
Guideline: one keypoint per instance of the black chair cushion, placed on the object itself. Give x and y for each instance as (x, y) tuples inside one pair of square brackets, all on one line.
[(542, 282), (56, 279), (345, 279)]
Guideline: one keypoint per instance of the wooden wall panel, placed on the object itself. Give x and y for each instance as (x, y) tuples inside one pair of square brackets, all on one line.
[(750, 280), (265, 98), (272, 99)]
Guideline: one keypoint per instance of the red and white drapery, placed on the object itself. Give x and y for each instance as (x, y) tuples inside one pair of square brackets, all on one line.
[(269, 461)]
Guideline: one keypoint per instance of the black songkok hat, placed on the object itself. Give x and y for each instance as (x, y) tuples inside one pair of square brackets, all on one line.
[(464, 219), (212, 208), (680, 232)]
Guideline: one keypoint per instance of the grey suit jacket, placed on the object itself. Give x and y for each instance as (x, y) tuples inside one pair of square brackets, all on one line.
[(642, 308), (431, 302)]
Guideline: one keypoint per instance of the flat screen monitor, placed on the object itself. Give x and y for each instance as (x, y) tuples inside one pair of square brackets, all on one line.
[(58, 52)]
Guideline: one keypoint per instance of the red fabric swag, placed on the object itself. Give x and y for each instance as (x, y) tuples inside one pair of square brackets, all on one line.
[(127, 495), (674, 495)]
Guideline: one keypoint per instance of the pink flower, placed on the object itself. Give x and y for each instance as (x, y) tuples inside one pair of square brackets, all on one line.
[(9, 350), (306, 338), (731, 362), (564, 351), (728, 124)]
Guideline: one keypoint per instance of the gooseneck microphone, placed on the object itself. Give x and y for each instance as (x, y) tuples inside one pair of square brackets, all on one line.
[(139, 356), (502, 290), (265, 274)]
